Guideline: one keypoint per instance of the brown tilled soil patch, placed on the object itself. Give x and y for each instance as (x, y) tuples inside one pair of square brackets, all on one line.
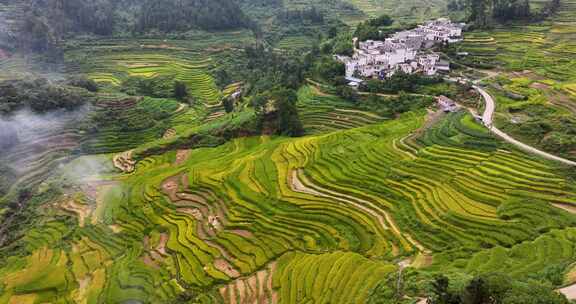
[(185, 181), (124, 162), (562, 100), (193, 198), (241, 288), (182, 156), (170, 187), (540, 86), (243, 233), (161, 248), (256, 288), (226, 268), (82, 211), (569, 291), (194, 212), (261, 293), (156, 256), (527, 74), (202, 232), (149, 262)]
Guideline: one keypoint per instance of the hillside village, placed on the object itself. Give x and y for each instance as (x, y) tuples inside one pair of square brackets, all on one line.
[(405, 51)]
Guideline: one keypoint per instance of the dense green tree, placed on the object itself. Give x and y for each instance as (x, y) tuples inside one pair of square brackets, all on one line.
[(329, 69), (478, 12), (183, 15), (494, 289), (310, 15), (288, 120), (180, 90), (48, 22), (347, 93), (278, 113), (441, 293), (267, 69), (482, 13), (222, 78), (82, 82), (39, 95), (505, 10), (159, 86), (228, 104), (399, 82), (476, 292), (375, 29)]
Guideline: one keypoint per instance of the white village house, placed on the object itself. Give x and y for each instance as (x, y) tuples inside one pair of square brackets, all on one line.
[(403, 51)]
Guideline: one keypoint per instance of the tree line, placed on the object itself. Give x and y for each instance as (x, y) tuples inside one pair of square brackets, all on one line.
[(41, 96), (45, 24), (485, 13)]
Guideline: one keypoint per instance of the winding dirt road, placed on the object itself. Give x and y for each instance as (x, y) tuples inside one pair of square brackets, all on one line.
[(487, 119)]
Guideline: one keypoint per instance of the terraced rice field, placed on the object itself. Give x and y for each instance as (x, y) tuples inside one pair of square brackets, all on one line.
[(405, 11), (547, 48), (13, 68), (190, 69), (326, 113), (125, 122), (324, 218), (189, 61), (538, 60), (295, 42), (290, 220)]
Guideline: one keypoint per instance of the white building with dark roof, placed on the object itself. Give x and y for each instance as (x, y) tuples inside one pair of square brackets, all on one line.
[(403, 51)]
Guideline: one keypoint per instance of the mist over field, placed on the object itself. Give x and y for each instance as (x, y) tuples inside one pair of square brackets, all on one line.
[(35, 131)]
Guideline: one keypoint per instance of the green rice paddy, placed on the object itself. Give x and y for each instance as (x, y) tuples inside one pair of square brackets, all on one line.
[(189, 61), (325, 218), (290, 220)]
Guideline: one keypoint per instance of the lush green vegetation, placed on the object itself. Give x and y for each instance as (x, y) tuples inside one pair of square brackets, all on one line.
[(44, 24), (239, 208), (207, 168), (39, 96), (493, 288), (536, 103)]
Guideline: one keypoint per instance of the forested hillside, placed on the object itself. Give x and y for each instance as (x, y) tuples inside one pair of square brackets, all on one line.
[(44, 24)]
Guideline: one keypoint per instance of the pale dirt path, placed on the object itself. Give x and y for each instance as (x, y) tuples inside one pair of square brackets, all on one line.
[(569, 291), (487, 118), (571, 209), (180, 108), (530, 149)]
